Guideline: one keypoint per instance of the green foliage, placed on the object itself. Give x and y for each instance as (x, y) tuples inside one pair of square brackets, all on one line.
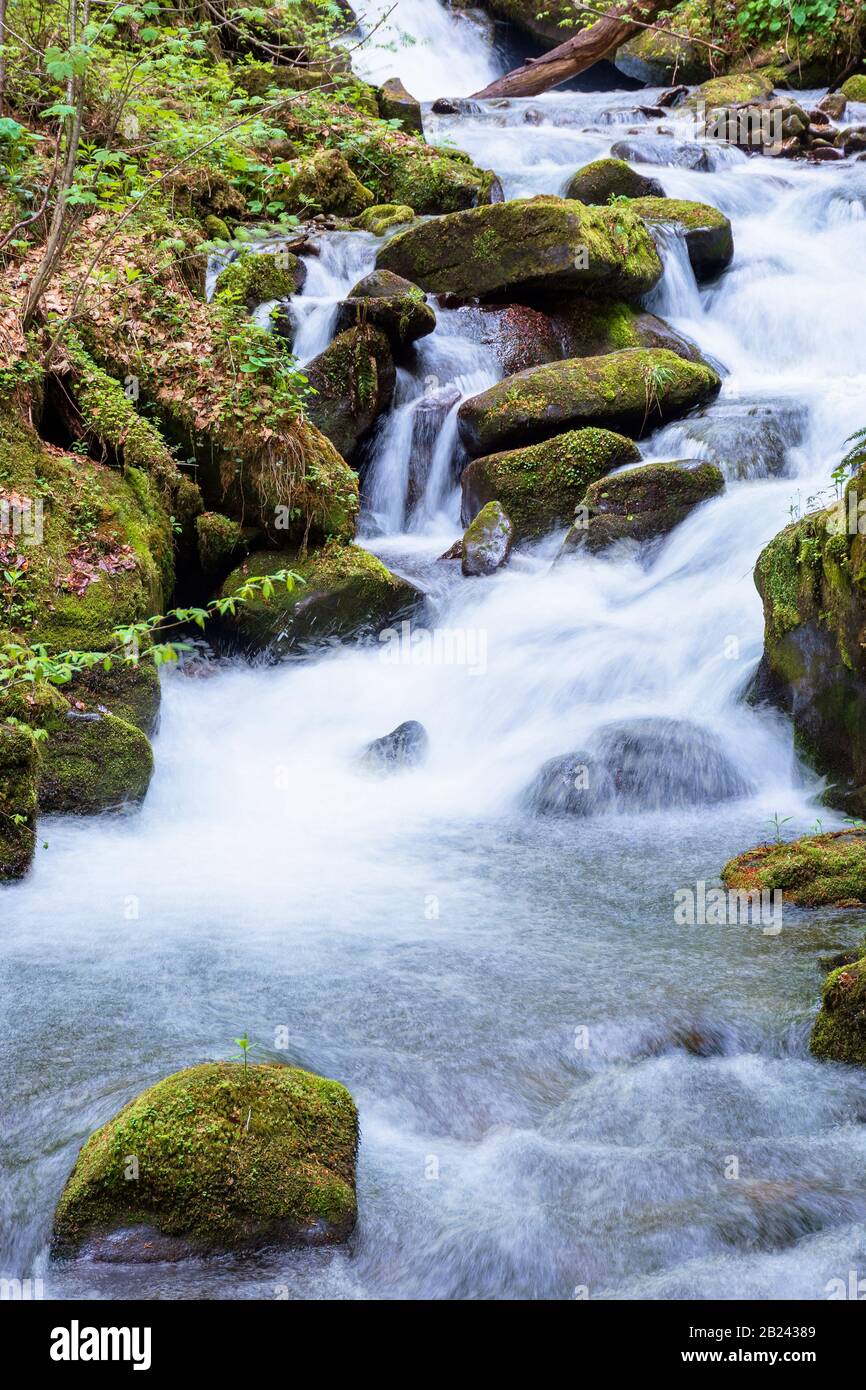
[(769, 19)]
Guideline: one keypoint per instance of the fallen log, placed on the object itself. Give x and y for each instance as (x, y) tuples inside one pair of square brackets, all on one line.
[(620, 23)]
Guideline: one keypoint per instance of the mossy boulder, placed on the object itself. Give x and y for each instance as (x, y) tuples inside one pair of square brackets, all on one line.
[(631, 391), (202, 191), (252, 278), (353, 381), (396, 104), (384, 217), (642, 503), (388, 302), (736, 87), (604, 179), (226, 1157), (826, 870), (93, 762), (325, 183), (855, 88), (487, 541), (539, 487), (19, 778), (531, 245), (839, 1031), (658, 58), (220, 539), (812, 580), (595, 327), (345, 592), (707, 232), (129, 690)]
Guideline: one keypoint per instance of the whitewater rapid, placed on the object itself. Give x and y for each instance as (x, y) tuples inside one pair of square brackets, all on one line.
[(423, 938)]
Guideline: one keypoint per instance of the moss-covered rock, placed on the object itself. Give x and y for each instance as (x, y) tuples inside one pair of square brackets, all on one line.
[(252, 279), (839, 1031), (540, 487), (855, 88), (396, 104), (541, 245), (659, 58), (345, 591), (353, 381), (219, 538), (129, 690), (595, 327), (19, 776), (707, 232), (388, 302), (730, 90), (642, 504), (384, 217), (826, 870), (325, 183), (92, 763), (226, 1157), (812, 580), (604, 179), (633, 391), (487, 541)]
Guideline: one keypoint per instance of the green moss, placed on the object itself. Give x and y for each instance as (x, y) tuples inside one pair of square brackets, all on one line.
[(380, 218), (728, 91), (325, 183), (219, 539), (540, 486), (692, 216), (345, 591), (254, 279), (606, 178), (855, 88), (545, 244), (93, 764), (353, 382), (19, 773), (227, 1157), (816, 871), (633, 391), (643, 503), (839, 1031)]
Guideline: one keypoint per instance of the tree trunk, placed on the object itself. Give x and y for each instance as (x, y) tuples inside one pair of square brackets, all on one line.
[(577, 54)]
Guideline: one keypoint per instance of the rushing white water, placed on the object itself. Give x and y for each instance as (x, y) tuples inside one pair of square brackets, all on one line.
[(427, 940), (436, 52)]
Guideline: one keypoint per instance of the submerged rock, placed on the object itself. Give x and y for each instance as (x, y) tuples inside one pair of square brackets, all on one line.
[(745, 438), (663, 150), (839, 1031), (826, 870), (388, 302), (487, 541), (544, 245), (649, 764), (226, 1157), (642, 503), (632, 391), (603, 179), (354, 382), (345, 592), (707, 232), (540, 486), (405, 746)]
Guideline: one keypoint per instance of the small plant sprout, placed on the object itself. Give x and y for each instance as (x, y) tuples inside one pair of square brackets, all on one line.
[(777, 822), (246, 1047)]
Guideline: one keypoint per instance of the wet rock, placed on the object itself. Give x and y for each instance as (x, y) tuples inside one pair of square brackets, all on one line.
[(19, 776), (396, 104), (429, 416), (388, 302), (383, 218), (93, 762), (637, 765), (354, 381), (606, 178), (593, 328), (539, 245), (855, 88), (827, 870), (664, 150), (325, 183), (745, 439), (540, 486), (229, 1157), (630, 391), (519, 336), (839, 1031), (707, 232), (656, 57), (642, 503), (674, 96), (834, 105), (406, 746), (487, 541), (853, 141), (344, 592)]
